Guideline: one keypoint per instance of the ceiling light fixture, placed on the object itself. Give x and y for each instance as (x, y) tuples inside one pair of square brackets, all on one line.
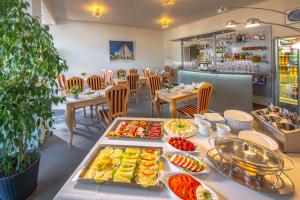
[(231, 24), (296, 45), (168, 3), (252, 22), (98, 12), (165, 23), (293, 16)]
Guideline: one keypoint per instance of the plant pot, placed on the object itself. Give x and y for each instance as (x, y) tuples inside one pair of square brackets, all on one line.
[(21, 185), (75, 96)]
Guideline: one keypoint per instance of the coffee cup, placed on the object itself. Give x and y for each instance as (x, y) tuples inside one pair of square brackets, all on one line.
[(204, 127), (223, 130), (198, 117)]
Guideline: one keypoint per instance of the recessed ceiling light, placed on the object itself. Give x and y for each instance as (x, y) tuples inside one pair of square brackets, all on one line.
[(98, 12), (165, 22)]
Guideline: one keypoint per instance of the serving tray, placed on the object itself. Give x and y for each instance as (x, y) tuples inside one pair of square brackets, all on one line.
[(269, 183), (133, 183), (137, 137)]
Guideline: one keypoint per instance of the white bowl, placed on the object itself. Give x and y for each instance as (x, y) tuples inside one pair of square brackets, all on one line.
[(238, 120), (165, 179)]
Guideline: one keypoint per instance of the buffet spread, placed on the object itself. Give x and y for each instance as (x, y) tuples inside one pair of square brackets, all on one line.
[(179, 164)]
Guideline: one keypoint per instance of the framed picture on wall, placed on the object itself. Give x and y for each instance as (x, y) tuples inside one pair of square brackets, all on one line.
[(121, 50)]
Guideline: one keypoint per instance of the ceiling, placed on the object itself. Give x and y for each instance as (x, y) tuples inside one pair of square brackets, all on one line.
[(141, 13)]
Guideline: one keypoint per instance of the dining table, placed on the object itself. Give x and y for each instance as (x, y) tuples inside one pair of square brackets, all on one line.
[(223, 186), (83, 100), (175, 96)]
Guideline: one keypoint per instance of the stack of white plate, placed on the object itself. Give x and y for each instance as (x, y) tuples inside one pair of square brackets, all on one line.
[(259, 138), (238, 120)]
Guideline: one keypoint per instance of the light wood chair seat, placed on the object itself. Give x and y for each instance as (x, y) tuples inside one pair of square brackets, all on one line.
[(95, 83), (204, 96), (188, 110)]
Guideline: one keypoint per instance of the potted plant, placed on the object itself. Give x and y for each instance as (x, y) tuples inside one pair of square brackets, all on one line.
[(83, 74), (122, 76), (29, 66), (168, 87), (74, 91)]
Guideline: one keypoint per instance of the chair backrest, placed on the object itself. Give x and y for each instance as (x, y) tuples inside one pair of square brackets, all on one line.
[(95, 82), (117, 99), (133, 71), (146, 72), (61, 80), (108, 77), (168, 68), (74, 81), (119, 72), (132, 80), (154, 83), (204, 95)]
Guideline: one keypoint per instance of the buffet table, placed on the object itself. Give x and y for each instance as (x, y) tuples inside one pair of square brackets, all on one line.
[(223, 186)]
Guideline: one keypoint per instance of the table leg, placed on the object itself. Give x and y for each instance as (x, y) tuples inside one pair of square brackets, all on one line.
[(69, 116), (173, 109)]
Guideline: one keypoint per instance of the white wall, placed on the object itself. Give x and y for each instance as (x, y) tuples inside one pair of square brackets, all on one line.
[(172, 51), (85, 46)]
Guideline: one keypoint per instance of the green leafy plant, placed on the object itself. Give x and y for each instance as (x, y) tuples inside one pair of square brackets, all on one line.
[(83, 74), (29, 66), (168, 86), (122, 76), (75, 90)]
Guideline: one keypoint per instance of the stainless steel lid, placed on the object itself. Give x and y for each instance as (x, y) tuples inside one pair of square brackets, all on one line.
[(248, 154)]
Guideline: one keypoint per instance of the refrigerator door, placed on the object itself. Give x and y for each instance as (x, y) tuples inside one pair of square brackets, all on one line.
[(287, 74)]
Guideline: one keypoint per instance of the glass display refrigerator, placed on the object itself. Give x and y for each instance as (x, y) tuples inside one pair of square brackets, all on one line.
[(287, 74)]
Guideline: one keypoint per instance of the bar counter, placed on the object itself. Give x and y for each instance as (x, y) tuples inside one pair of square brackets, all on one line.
[(223, 186), (230, 90)]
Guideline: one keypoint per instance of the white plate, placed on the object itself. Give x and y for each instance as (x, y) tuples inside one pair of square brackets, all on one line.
[(173, 149), (259, 138), (238, 115), (165, 179), (183, 136), (204, 171)]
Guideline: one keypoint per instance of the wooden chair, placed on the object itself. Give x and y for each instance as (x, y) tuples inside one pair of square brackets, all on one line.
[(102, 75), (117, 100), (61, 81), (146, 72), (119, 72), (168, 68), (73, 81), (172, 75), (133, 71), (132, 80), (204, 95), (154, 83), (95, 83)]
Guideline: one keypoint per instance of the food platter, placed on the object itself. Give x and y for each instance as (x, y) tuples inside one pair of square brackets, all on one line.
[(124, 165), (195, 148), (187, 163), (136, 129), (189, 184), (180, 127)]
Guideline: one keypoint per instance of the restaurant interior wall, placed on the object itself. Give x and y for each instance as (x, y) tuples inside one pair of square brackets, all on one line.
[(172, 50), (85, 46)]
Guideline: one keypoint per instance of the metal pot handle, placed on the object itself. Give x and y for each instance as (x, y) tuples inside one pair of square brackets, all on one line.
[(210, 141), (288, 159)]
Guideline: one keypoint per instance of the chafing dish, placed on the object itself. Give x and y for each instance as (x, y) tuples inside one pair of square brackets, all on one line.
[(251, 165), (281, 125)]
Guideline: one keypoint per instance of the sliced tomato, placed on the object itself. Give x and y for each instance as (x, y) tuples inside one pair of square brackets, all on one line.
[(149, 150)]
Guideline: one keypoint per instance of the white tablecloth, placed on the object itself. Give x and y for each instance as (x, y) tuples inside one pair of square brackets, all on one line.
[(223, 186)]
